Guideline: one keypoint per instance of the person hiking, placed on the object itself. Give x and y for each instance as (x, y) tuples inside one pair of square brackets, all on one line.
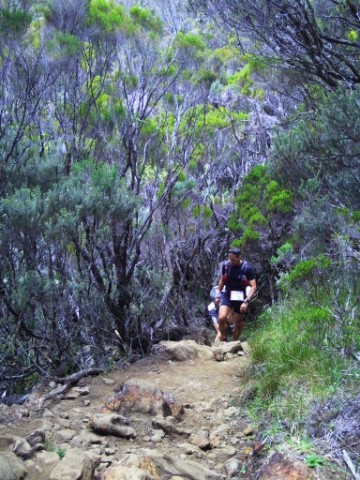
[(236, 276), (213, 311)]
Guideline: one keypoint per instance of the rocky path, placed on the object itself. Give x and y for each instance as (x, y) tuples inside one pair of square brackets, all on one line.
[(173, 416)]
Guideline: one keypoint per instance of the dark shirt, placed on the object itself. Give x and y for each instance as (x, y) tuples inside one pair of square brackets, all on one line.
[(237, 277)]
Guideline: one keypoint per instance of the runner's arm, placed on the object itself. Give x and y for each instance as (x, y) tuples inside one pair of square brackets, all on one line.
[(252, 291), (220, 288)]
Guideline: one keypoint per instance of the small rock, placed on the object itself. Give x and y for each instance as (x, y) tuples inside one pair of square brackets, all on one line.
[(156, 438), (249, 430), (189, 448), (168, 426), (36, 437), (109, 451), (48, 413), (82, 390), (231, 411), (201, 439), (71, 395), (232, 467), (85, 439), (94, 456), (109, 381), (237, 390), (67, 434), (24, 412)]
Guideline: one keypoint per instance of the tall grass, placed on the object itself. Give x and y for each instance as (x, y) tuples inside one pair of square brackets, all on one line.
[(295, 359)]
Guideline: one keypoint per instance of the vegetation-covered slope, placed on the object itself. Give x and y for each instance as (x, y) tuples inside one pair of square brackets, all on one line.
[(137, 142)]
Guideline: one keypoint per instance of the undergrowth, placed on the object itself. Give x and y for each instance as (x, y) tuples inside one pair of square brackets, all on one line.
[(298, 359)]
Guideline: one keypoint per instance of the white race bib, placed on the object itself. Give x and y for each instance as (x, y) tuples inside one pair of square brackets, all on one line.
[(236, 296)]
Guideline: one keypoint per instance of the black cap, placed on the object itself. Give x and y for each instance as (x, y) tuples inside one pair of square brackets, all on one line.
[(234, 251)]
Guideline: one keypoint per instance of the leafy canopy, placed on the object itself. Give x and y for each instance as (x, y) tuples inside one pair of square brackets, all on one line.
[(261, 201)]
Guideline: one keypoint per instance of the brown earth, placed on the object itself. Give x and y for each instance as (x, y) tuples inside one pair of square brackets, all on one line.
[(194, 383), (190, 381)]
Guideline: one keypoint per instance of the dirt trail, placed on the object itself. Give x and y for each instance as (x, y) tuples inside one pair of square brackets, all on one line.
[(209, 390), (191, 382)]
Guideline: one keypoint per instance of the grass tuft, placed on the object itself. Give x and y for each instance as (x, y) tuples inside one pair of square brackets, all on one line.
[(293, 362)]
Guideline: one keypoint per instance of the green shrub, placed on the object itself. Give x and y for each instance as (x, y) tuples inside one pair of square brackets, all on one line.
[(293, 361)]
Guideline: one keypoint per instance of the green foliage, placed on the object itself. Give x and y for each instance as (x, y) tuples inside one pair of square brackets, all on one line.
[(291, 360), (94, 189), (313, 460), (352, 35), (279, 200), (225, 54), (197, 154), (209, 119), (51, 446), (202, 211), (249, 236), (64, 45), (303, 445), (349, 215), (234, 223), (107, 14), (296, 352), (61, 451), (244, 78), (321, 150), (169, 71), (58, 219), (107, 110), (306, 270), (14, 20), (206, 76), (183, 186), (284, 254), (131, 81), (146, 18), (190, 41), (35, 32), (149, 126), (257, 63), (260, 203)]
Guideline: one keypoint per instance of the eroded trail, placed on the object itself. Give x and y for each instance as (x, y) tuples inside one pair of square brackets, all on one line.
[(209, 433), (176, 415)]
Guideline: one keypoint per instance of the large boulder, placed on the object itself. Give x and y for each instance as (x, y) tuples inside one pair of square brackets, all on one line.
[(11, 467), (184, 350), (111, 424), (75, 465), (142, 397), (7, 441), (41, 464), (283, 467), (132, 467)]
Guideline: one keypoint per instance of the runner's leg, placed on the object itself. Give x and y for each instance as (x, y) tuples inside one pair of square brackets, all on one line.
[(239, 324), (223, 314)]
